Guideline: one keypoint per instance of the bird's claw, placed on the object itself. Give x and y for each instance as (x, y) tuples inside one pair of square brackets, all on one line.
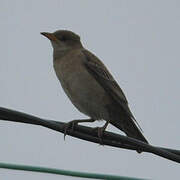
[(100, 132), (68, 125)]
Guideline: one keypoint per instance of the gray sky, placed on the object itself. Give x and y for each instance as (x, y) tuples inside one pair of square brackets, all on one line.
[(139, 42)]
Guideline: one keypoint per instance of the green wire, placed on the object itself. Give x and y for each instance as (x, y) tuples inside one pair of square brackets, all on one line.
[(63, 172)]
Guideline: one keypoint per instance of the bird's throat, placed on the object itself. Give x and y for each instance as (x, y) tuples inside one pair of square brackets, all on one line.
[(58, 54)]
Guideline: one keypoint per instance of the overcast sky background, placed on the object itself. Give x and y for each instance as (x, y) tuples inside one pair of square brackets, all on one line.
[(139, 41)]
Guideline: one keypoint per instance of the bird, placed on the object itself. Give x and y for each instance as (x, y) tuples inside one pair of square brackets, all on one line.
[(90, 86)]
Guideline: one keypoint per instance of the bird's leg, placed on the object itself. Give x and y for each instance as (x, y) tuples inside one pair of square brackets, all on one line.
[(72, 123), (101, 130)]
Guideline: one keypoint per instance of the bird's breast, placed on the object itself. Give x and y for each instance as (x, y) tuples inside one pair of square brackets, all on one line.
[(81, 88)]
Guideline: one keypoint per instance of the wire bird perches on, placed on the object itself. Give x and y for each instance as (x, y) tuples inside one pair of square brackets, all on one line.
[(88, 134)]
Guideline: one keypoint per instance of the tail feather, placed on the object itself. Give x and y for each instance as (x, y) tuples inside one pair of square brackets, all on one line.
[(125, 123), (130, 128)]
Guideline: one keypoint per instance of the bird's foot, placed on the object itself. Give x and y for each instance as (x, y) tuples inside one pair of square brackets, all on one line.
[(100, 132), (69, 125)]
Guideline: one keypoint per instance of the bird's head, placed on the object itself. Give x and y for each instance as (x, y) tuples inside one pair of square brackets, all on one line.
[(63, 39)]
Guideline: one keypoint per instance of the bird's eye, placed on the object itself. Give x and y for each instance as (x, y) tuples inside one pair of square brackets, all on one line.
[(63, 38)]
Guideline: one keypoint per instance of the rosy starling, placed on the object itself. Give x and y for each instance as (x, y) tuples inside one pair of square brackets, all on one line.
[(90, 86)]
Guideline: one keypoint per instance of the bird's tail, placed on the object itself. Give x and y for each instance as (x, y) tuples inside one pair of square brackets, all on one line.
[(130, 129), (127, 124)]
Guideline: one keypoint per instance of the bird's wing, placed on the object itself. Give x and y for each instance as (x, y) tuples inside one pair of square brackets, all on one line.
[(98, 70)]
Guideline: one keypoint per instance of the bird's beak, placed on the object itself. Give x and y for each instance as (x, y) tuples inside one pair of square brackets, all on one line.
[(50, 36)]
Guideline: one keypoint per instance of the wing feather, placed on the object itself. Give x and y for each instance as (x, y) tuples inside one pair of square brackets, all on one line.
[(98, 70)]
